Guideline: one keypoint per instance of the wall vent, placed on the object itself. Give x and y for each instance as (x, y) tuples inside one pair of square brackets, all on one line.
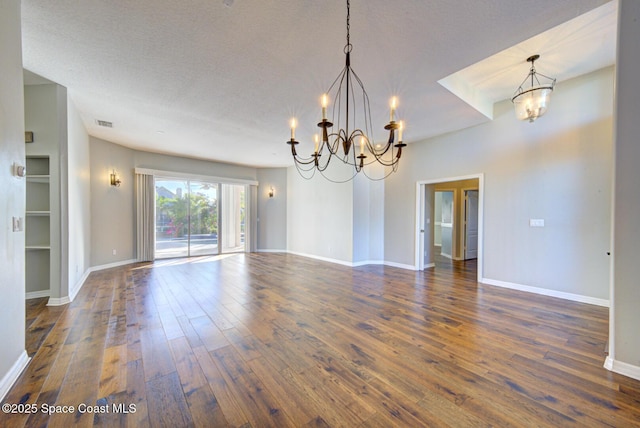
[(104, 123)]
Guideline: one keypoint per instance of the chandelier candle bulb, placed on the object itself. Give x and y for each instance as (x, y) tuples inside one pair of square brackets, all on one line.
[(316, 140), (400, 128), (324, 103), (394, 105), (362, 145), (293, 128)]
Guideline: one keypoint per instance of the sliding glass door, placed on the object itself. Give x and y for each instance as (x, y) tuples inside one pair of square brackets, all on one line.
[(186, 218), (204, 218), (233, 218)]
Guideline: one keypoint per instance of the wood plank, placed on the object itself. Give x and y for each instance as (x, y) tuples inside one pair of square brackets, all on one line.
[(166, 402)]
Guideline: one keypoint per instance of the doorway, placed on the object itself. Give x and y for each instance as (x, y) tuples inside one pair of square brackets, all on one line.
[(449, 224)]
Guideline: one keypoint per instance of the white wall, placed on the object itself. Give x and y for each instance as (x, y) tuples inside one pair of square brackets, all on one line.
[(272, 212), (624, 346), (79, 198), (12, 198), (319, 217), (557, 169), (113, 208), (368, 217)]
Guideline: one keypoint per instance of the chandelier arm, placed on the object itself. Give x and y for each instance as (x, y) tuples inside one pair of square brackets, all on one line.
[(520, 89), (300, 172), (338, 78), (366, 105), (337, 138), (321, 167), (339, 181), (381, 178), (386, 163), (300, 160), (546, 77)]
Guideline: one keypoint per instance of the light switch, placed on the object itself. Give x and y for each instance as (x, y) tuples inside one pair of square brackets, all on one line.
[(17, 224), (536, 222)]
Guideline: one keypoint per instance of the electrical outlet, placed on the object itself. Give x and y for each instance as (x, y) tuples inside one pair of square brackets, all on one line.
[(536, 222), (113, 252)]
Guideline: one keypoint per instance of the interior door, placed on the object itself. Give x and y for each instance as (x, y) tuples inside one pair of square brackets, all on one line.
[(470, 224)]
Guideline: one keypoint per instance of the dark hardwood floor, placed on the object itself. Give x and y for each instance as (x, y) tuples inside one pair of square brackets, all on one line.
[(257, 340)]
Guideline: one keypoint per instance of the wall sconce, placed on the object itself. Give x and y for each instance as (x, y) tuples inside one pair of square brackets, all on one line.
[(114, 180), (271, 192)]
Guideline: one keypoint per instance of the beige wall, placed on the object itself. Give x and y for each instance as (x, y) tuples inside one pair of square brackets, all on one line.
[(79, 199), (113, 208), (272, 212), (12, 197), (624, 346), (557, 169)]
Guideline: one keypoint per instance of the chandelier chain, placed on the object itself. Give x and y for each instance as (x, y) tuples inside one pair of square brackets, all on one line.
[(348, 46)]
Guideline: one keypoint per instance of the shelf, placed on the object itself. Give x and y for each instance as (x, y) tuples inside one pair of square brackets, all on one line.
[(38, 178), (37, 247), (38, 213)]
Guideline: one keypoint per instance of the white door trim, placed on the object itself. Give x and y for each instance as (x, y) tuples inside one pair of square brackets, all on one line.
[(419, 207)]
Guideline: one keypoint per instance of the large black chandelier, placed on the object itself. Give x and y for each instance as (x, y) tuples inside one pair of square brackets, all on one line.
[(353, 142)]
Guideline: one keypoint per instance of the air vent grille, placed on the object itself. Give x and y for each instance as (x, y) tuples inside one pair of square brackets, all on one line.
[(104, 123)]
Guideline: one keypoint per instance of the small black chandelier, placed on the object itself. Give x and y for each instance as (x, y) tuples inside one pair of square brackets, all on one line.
[(353, 143), (532, 102)]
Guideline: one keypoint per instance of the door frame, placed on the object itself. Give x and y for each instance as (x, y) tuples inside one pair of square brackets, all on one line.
[(420, 216)]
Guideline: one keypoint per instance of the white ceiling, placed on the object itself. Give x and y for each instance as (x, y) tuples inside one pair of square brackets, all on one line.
[(219, 79)]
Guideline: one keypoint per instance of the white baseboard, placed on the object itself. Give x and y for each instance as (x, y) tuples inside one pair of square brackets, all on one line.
[(58, 301), (367, 262), (445, 255), (78, 285), (324, 259), (37, 294), (429, 265), (547, 292), (624, 369), (354, 264), (12, 375), (400, 265), (112, 265), (270, 251)]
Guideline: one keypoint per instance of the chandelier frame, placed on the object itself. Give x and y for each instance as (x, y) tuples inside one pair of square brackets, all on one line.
[(352, 128)]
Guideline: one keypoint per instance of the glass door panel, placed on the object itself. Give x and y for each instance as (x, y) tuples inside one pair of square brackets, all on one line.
[(204, 218), (195, 218), (172, 218), (233, 218)]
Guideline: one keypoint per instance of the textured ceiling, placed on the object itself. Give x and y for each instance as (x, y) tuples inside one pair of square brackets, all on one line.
[(219, 79)]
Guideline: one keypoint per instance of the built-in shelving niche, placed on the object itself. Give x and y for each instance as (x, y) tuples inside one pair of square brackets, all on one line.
[(38, 227)]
